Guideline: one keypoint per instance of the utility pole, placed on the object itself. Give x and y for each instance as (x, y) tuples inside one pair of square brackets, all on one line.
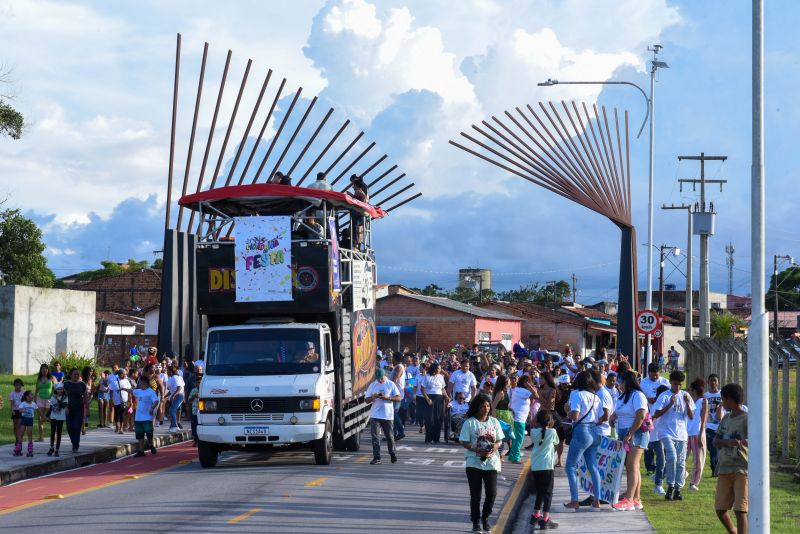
[(688, 320), (729, 250), (758, 474), (574, 288), (704, 226)]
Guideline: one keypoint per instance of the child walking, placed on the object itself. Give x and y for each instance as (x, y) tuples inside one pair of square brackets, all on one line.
[(731, 440), (58, 414), (27, 409), (14, 398), (543, 458)]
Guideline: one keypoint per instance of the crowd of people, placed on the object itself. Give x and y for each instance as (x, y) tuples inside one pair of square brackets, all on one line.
[(489, 403), (134, 397)]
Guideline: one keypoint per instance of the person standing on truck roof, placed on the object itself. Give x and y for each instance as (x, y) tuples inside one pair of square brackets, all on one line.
[(382, 393), (320, 183), (399, 379)]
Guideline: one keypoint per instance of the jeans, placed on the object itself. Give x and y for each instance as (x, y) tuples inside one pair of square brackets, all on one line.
[(543, 487), (174, 406), (518, 435), (386, 426), (74, 427), (477, 478), (422, 411), (399, 429), (654, 460), (433, 419), (713, 452), (584, 445), (675, 452)]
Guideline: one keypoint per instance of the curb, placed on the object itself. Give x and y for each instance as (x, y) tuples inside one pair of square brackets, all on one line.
[(97, 456), (508, 515)]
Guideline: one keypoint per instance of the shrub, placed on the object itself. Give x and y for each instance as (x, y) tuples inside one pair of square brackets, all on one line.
[(69, 360)]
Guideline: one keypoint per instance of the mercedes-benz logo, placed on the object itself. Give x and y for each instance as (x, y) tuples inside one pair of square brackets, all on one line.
[(257, 405)]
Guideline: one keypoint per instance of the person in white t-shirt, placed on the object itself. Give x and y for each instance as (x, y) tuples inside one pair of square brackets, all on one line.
[(382, 393), (696, 429), (656, 448), (175, 385), (520, 406), (604, 408), (581, 411), (146, 406), (649, 385), (435, 392), (629, 415), (458, 408), (120, 392), (464, 381), (675, 407)]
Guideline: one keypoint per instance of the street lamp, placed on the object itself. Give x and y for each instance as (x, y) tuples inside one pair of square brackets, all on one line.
[(655, 64)]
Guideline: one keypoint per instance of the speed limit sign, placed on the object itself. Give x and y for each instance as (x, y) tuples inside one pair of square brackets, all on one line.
[(647, 321)]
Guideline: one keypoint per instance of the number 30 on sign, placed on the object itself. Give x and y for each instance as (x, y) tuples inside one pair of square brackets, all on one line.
[(647, 321)]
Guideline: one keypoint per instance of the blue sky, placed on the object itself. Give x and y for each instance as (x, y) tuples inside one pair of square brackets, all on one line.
[(94, 81)]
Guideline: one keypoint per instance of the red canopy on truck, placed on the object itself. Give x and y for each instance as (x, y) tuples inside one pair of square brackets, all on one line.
[(254, 195)]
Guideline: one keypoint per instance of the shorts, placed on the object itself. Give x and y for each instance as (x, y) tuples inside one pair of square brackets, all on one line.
[(142, 427), (43, 403), (103, 396), (26, 421), (641, 438), (731, 492), (15, 415)]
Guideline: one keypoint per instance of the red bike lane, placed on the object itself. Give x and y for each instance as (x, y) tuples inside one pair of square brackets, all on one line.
[(39, 491)]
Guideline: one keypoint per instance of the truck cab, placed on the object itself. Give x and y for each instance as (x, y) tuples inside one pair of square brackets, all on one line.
[(268, 384)]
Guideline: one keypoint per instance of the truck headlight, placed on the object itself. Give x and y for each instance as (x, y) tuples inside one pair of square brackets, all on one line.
[(207, 406), (309, 404)]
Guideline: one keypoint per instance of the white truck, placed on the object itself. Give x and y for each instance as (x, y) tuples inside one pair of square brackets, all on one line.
[(286, 372)]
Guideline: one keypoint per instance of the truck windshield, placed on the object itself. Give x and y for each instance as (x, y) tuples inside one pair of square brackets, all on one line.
[(267, 351)]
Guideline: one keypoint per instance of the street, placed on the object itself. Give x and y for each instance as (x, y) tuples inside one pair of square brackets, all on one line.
[(425, 491)]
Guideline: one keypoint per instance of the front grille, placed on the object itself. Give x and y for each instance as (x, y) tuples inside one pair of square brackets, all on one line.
[(243, 405), (252, 417)]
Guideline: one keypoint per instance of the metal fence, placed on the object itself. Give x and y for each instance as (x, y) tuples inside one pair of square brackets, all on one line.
[(728, 359)]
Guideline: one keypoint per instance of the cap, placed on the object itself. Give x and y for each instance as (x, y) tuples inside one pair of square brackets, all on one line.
[(379, 373), (563, 379), (310, 345)]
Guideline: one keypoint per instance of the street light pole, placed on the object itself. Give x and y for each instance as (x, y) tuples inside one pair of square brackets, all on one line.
[(655, 64)]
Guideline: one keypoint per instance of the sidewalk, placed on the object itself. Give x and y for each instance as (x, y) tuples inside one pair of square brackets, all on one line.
[(97, 446), (582, 521)]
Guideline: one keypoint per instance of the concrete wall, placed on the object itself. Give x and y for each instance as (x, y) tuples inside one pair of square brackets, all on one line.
[(151, 322), (36, 322)]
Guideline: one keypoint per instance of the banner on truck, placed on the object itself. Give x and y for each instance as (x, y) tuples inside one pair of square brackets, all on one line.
[(335, 281), (263, 248), (610, 462)]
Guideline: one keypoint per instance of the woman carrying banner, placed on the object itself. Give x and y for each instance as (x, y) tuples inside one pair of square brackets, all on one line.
[(630, 415)]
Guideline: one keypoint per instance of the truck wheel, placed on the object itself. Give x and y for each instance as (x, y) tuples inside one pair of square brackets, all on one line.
[(353, 443), (207, 454), (323, 447)]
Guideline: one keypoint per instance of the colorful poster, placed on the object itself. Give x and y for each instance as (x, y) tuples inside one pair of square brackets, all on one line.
[(363, 283), (263, 258), (610, 462)]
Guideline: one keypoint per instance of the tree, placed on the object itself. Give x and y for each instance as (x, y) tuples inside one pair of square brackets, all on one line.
[(554, 292), (158, 264), (723, 325), (11, 120), (788, 283), (432, 290), (21, 248)]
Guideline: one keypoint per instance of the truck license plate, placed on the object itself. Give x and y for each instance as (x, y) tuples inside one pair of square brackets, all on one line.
[(256, 430)]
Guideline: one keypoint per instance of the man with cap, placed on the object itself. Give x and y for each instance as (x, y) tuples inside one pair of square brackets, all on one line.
[(382, 393)]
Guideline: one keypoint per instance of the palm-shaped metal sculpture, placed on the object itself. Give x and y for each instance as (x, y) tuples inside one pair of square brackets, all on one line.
[(581, 155)]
